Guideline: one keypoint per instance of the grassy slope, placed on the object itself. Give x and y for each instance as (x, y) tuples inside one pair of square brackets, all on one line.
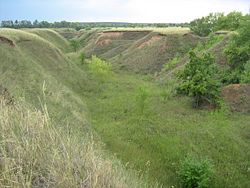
[(38, 62), (156, 141), (53, 37), (36, 71), (168, 131)]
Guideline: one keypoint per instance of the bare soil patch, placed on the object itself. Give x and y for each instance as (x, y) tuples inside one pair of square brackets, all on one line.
[(6, 41), (150, 41), (237, 97)]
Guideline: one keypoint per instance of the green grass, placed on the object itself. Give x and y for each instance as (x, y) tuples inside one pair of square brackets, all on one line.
[(167, 131), (37, 152), (153, 141), (37, 72), (53, 37)]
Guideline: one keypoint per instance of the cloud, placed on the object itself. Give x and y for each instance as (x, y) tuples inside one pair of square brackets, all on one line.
[(117, 10), (180, 10)]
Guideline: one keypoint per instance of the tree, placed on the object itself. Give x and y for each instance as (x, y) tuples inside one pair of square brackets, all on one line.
[(7, 24), (216, 21), (238, 51), (82, 57), (230, 22), (199, 80), (75, 44), (205, 25)]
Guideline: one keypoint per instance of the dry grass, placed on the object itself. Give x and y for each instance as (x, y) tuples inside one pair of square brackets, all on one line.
[(166, 30), (35, 154)]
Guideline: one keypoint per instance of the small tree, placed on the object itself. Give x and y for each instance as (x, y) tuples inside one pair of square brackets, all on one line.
[(82, 57), (75, 44), (199, 80)]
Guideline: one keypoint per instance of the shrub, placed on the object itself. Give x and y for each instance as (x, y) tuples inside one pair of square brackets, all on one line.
[(100, 68), (195, 174), (245, 78), (199, 80)]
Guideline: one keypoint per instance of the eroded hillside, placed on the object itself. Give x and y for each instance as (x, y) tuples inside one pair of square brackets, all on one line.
[(142, 51)]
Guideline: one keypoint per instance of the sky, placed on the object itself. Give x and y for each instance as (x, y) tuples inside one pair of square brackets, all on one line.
[(134, 11)]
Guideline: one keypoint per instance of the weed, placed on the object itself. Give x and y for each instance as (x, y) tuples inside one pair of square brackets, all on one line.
[(168, 66), (142, 95), (195, 174)]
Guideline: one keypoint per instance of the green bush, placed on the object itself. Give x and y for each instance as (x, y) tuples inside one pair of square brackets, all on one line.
[(245, 78), (100, 68), (199, 80), (194, 173)]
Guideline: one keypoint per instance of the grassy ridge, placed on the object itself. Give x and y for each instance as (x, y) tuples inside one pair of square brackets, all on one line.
[(36, 71), (53, 37)]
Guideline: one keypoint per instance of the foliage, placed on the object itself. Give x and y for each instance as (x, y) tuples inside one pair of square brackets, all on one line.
[(142, 96), (75, 44), (82, 57), (195, 174), (238, 51), (199, 80), (205, 25), (230, 22), (217, 21), (99, 68)]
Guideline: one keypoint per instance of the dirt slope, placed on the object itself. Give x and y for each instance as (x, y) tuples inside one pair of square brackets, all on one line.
[(237, 97)]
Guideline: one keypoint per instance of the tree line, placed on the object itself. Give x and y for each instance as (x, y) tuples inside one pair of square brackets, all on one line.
[(217, 21), (17, 24)]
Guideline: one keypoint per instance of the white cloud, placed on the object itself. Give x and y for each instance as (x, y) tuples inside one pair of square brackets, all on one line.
[(180, 10)]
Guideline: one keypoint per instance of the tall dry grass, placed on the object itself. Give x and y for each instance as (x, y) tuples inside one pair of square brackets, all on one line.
[(33, 153)]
